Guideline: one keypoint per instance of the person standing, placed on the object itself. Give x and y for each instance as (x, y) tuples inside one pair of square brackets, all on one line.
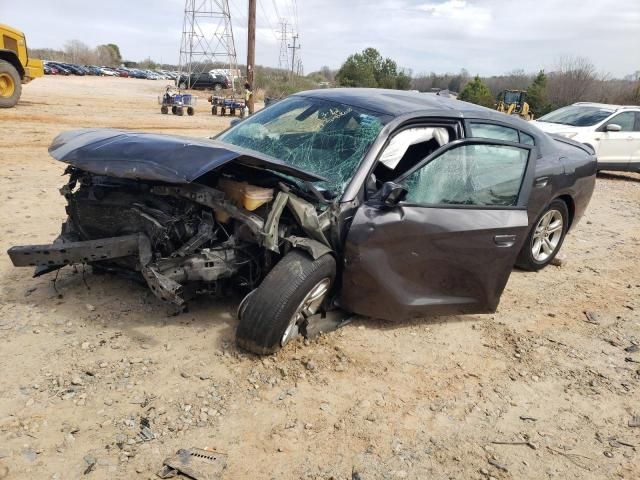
[(248, 94)]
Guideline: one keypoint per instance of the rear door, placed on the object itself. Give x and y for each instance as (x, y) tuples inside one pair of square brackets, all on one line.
[(450, 246), (634, 158), (617, 147)]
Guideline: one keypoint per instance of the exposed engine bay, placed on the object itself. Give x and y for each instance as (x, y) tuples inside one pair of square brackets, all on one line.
[(230, 228)]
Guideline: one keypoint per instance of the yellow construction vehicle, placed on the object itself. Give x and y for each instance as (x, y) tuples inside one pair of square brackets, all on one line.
[(16, 67), (514, 102)]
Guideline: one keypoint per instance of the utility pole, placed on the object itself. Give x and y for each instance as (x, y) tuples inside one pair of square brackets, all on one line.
[(251, 51), (293, 48)]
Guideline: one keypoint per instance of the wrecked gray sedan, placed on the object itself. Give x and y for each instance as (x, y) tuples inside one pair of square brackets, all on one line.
[(382, 203)]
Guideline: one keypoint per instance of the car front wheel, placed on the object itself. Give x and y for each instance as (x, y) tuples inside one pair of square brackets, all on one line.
[(545, 238), (279, 310)]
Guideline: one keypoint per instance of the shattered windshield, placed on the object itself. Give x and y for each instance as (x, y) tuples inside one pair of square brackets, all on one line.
[(325, 138)]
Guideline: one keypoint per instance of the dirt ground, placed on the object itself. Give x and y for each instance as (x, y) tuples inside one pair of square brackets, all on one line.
[(538, 390)]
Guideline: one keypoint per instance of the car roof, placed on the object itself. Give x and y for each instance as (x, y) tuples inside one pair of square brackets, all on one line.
[(607, 105), (598, 105), (399, 102)]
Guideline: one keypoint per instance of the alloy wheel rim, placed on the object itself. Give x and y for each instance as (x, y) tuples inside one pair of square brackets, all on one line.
[(308, 307), (547, 235), (6, 85)]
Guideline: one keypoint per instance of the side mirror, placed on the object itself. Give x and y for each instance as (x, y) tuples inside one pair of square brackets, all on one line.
[(235, 121), (392, 194), (613, 127)]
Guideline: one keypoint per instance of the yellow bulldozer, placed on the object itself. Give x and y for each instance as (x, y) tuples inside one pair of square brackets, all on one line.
[(16, 67), (514, 102)]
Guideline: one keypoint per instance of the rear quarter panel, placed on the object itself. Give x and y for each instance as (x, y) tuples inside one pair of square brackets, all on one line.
[(572, 172)]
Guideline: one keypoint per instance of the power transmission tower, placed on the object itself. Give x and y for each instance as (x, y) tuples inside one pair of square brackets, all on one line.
[(283, 61), (207, 39), (293, 48)]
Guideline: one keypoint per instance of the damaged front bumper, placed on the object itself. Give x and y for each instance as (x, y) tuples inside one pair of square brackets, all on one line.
[(174, 278)]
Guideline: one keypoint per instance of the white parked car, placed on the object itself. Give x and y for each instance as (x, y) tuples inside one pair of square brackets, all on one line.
[(110, 72), (613, 131)]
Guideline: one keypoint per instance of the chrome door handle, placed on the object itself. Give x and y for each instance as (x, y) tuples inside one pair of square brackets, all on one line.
[(504, 240)]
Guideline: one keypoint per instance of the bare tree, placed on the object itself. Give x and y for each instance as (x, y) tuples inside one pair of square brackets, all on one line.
[(575, 79)]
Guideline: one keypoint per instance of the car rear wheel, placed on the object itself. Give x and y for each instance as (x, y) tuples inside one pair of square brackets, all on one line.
[(279, 310), (545, 238), (217, 87), (10, 86), (182, 85)]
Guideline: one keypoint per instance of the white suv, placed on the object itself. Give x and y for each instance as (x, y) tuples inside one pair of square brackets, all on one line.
[(613, 131)]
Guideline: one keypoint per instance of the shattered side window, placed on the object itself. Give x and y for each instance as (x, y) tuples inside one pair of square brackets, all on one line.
[(324, 138), (483, 175)]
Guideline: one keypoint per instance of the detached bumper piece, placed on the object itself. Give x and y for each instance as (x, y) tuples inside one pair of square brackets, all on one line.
[(164, 276), (47, 258)]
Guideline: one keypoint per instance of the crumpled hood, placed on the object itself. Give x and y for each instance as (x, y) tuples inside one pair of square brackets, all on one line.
[(150, 156)]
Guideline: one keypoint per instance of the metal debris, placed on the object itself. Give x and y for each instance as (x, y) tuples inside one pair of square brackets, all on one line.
[(195, 463), (592, 317)]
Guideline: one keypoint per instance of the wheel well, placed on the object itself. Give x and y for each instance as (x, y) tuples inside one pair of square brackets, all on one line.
[(10, 57), (571, 206)]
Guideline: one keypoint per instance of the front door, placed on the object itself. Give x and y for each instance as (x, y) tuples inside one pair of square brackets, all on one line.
[(450, 246), (616, 147)]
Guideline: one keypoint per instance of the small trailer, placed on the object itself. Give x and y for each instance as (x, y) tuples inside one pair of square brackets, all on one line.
[(227, 105), (176, 101)]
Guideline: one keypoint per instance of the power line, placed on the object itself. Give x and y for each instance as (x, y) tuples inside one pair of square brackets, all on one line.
[(275, 7), (266, 17)]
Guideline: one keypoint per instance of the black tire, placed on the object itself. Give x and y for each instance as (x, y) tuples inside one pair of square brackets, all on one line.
[(182, 85), (164, 109), (217, 87), (174, 109), (214, 110), (179, 111), (190, 111), (272, 305), (10, 79), (526, 260)]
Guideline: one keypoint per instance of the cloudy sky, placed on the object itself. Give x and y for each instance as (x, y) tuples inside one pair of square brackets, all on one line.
[(483, 36)]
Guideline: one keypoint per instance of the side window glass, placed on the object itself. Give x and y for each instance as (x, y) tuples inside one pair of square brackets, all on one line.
[(526, 139), (625, 119), (483, 175), (495, 132)]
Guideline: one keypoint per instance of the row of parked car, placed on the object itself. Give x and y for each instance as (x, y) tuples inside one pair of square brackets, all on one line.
[(60, 68)]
